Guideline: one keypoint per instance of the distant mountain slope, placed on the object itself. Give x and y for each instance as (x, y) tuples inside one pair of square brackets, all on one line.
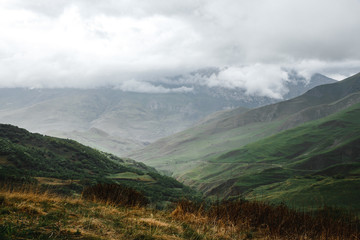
[(187, 150), (119, 122), (299, 85), (126, 120), (70, 166), (100, 140)]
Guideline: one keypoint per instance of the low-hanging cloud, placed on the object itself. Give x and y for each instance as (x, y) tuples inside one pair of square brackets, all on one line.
[(145, 87), (121, 43), (261, 80)]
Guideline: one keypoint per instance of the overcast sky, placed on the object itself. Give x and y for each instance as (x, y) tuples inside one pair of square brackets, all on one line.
[(131, 43)]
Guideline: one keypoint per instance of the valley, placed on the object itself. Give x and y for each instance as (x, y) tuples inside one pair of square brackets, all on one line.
[(179, 120), (273, 152)]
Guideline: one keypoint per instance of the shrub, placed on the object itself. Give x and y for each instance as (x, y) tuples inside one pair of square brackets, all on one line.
[(114, 194)]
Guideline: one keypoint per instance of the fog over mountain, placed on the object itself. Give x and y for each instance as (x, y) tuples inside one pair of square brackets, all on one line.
[(119, 121), (135, 45)]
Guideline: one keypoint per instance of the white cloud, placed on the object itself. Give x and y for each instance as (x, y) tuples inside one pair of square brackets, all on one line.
[(145, 87), (308, 67), (337, 76), (258, 79), (90, 43)]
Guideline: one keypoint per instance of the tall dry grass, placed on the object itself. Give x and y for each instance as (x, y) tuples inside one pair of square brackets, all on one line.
[(29, 212), (272, 221), (33, 192)]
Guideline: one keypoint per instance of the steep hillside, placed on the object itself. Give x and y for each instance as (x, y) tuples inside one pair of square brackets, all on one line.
[(310, 165), (68, 166), (229, 130)]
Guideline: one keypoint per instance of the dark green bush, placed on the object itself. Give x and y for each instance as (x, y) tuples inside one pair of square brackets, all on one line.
[(115, 194)]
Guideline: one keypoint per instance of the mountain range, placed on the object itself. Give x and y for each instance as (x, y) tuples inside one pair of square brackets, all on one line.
[(119, 122)]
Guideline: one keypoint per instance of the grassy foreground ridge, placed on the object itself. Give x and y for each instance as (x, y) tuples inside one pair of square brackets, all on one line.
[(29, 214)]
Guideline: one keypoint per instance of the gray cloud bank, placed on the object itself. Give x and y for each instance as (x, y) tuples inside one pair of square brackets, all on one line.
[(130, 44)]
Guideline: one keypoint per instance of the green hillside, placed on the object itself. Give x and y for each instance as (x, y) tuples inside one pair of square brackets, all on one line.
[(302, 144), (313, 164), (67, 166)]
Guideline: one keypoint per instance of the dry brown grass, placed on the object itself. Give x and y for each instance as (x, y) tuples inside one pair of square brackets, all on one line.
[(28, 213), (4, 160), (33, 193)]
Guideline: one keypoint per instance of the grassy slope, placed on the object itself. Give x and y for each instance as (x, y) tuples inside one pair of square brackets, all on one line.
[(30, 215), (304, 142), (183, 152), (24, 155), (186, 150), (42, 216), (316, 163)]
